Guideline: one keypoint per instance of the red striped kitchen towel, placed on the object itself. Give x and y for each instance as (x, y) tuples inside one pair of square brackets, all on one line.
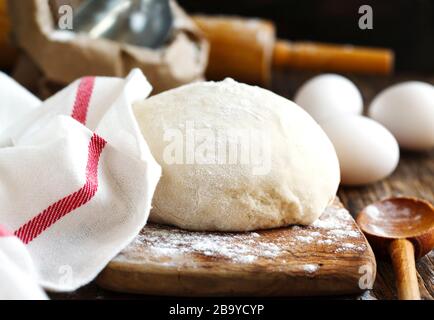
[(18, 277), (76, 176)]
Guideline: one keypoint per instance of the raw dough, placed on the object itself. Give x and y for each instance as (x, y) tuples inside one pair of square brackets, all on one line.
[(286, 172)]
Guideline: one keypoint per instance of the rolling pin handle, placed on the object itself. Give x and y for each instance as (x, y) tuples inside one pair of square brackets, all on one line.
[(328, 57)]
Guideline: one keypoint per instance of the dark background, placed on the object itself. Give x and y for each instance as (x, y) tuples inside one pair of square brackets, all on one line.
[(406, 26)]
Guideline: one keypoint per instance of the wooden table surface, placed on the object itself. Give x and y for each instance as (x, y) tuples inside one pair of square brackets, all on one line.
[(413, 177)]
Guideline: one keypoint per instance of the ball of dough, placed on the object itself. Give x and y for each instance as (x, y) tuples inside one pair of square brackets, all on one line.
[(328, 95), (236, 158)]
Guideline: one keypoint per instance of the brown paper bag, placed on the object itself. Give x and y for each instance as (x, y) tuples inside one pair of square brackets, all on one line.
[(181, 61)]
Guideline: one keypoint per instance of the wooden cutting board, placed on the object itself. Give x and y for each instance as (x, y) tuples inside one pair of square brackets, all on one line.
[(329, 257)]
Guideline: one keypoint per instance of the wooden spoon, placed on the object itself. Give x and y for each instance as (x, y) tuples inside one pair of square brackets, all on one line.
[(404, 229)]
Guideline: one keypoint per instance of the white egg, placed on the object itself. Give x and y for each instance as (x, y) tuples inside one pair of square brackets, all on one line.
[(407, 110), (367, 151), (329, 95)]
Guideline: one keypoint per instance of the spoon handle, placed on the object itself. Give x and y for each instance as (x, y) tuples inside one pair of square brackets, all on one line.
[(402, 254)]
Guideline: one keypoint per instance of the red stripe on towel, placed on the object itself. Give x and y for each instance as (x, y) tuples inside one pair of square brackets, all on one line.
[(82, 99), (59, 209)]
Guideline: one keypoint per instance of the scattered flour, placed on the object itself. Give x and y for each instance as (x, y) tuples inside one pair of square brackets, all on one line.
[(330, 232), (338, 233), (310, 268), (347, 246), (326, 241), (248, 259), (306, 239), (242, 248), (314, 234), (338, 220)]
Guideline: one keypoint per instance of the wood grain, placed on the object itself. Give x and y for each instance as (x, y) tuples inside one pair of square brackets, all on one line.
[(327, 258), (402, 255)]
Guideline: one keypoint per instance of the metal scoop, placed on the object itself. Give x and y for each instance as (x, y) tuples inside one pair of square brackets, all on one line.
[(145, 23)]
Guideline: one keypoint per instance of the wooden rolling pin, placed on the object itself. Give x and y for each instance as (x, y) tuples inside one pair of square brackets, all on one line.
[(246, 49), (7, 52)]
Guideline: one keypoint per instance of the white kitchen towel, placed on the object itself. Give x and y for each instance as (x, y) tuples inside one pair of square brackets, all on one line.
[(18, 278), (15, 101), (76, 176)]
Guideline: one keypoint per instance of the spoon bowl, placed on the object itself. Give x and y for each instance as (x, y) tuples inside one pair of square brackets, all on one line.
[(399, 218), (402, 228)]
